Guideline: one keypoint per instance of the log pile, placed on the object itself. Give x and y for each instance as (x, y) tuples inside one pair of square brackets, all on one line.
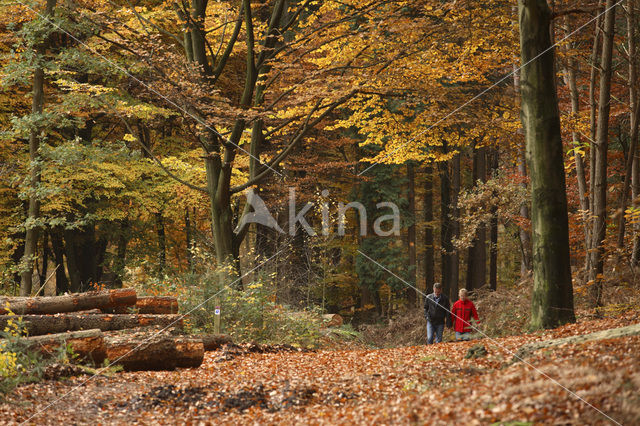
[(139, 333)]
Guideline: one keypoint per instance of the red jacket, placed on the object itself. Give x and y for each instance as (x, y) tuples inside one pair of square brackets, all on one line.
[(461, 313)]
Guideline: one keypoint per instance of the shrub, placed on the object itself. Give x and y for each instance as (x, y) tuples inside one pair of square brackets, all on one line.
[(19, 365), (247, 314)]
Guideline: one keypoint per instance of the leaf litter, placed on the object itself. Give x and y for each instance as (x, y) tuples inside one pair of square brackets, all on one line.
[(416, 384)]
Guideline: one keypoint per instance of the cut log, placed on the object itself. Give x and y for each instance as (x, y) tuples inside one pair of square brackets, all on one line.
[(141, 352), (44, 324), (157, 305), (89, 345), (190, 352), (150, 305), (213, 342), (526, 350), (69, 303)]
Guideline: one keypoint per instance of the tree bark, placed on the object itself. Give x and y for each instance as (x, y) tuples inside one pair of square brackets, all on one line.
[(454, 272), (149, 305), (142, 352), (634, 113), (552, 301), (213, 342), (525, 236), (477, 258), (595, 65), (446, 229), (188, 238), (429, 249), (89, 345), (493, 228), (37, 325), (37, 103), (190, 352), (600, 147), (69, 303), (412, 296), (57, 246), (162, 244), (570, 71)]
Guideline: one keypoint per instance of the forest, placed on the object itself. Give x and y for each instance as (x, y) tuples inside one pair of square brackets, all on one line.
[(233, 211)]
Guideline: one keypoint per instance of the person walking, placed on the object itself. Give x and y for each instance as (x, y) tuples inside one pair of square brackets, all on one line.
[(436, 311), (461, 314)]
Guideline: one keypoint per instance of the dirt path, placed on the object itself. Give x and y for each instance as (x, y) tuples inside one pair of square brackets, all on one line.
[(421, 384)]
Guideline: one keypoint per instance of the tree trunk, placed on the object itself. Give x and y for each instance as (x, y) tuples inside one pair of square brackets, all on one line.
[(37, 102), (599, 174), (69, 302), (57, 246), (552, 301), (89, 345), (412, 296), (188, 239), (429, 249), (477, 259), (213, 342), (570, 71), (142, 352), (37, 325), (162, 244), (84, 257), (634, 113), (446, 229), (592, 121), (493, 228), (525, 236), (149, 305), (454, 272), (45, 260)]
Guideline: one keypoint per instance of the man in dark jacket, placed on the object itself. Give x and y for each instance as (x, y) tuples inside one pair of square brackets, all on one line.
[(437, 311)]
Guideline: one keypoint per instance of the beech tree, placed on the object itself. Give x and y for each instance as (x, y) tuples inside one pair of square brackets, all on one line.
[(552, 302)]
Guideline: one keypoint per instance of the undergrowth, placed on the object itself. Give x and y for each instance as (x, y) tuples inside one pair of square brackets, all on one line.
[(18, 363)]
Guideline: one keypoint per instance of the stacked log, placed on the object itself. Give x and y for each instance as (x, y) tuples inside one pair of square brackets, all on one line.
[(145, 340), (108, 299), (37, 325), (88, 345), (149, 305)]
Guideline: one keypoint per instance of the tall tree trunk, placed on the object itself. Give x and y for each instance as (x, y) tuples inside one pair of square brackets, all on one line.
[(188, 238), (446, 229), (75, 276), (120, 260), (412, 296), (634, 112), (45, 258), (429, 250), (162, 244), (454, 272), (477, 260), (552, 302), (593, 106), (37, 103), (600, 167), (523, 233), (57, 247), (493, 248), (570, 71), (526, 264)]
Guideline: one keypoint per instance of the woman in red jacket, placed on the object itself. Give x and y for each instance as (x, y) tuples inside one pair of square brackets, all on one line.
[(461, 314)]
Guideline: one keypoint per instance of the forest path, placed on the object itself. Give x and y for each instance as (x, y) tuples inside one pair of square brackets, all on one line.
[(419, 384)]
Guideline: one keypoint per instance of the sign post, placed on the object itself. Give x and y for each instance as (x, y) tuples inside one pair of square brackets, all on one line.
[(216, 318)]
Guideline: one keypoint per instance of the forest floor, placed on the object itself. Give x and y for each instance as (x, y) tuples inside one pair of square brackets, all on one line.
[(593, 383)]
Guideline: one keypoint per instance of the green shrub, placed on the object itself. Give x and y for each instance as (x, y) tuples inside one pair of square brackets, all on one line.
[(20, 365), (247, 314)]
